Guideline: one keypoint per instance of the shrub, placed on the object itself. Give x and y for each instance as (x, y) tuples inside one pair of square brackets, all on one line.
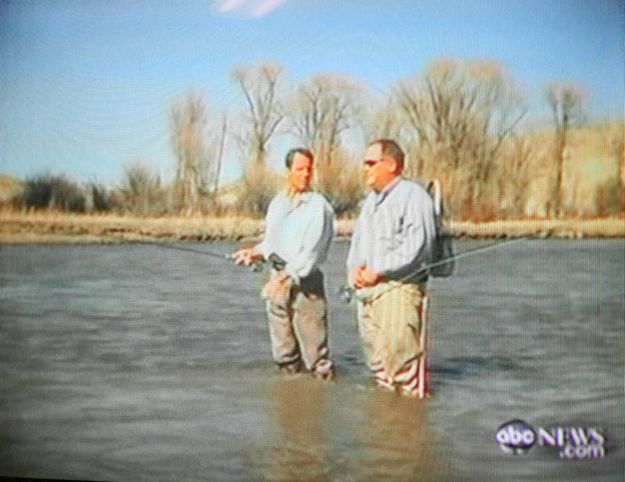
[(259, 187), (101, 199), (341, 181), (142, 193), (53, 192)]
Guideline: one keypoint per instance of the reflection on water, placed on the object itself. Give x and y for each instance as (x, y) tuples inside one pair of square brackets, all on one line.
[(385, 436), (298, 408), (136, 363), (397, 440)]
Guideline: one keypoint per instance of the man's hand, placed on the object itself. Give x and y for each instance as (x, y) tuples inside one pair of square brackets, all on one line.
[(277, 289), (247, 256), (351, 276), (365, 277)]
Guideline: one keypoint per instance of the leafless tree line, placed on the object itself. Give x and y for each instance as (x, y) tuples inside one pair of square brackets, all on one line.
[(459, 121)]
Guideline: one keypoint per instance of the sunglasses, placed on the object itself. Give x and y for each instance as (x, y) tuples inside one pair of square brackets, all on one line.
[(371, 162)]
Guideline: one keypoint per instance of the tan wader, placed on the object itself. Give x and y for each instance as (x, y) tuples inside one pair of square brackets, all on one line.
[(298, 326), (391, 322)]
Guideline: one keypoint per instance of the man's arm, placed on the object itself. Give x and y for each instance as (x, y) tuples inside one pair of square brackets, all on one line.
[(356, 259), (402, 253), (358, 274), (316, 238), (354, 247), (272, 225), (263, 249)]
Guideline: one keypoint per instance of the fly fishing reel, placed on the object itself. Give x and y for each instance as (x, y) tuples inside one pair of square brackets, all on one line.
[(346, 293)]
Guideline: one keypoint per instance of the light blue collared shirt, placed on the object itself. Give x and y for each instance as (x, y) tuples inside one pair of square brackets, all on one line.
[(299, 229), (395, 232)]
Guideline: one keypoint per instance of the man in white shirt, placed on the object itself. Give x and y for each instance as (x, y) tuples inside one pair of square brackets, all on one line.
[(391, 246), (299, 229)]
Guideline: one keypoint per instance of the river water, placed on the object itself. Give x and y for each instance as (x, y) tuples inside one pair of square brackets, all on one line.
[(138, 362)]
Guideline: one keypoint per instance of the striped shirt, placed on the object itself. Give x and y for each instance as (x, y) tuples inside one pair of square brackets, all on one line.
[(395, 232), (299, 229)]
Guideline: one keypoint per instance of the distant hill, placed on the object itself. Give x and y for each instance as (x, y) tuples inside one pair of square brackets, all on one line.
[(10, 187)]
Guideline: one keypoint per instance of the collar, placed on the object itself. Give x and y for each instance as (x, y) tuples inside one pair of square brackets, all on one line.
[(295, 199), (381, 196)]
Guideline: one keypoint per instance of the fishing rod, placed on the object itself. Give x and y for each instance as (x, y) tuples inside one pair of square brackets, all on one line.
[(182, 248), (255, 266), (347, 292)]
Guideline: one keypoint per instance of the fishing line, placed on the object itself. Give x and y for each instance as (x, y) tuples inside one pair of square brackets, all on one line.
[(347, 292), (255, 266), (182, 248)]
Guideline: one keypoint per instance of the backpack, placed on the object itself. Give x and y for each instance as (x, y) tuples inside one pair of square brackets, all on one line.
[(443, 253)]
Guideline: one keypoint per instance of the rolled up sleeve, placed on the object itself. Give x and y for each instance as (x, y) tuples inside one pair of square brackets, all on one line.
[(272, 223), (353, 257)]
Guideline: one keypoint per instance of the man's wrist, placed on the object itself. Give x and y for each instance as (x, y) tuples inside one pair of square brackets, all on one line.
[(288, 272)]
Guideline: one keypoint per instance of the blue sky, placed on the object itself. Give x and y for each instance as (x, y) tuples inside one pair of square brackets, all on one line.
[(86, 86)]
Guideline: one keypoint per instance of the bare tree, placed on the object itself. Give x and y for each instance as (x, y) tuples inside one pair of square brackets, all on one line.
[(386, 119), (220, 154), (512, 176), (260, 86), (566, 101), (195, 145), (141, 189), (615, 140), (462, 112), (326, 106), (610, 195)]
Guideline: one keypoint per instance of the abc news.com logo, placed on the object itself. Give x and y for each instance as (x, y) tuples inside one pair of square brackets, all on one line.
[(517, 437)]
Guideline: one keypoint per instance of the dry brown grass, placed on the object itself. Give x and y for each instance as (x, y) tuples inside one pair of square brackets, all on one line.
[(55, 227), (613, 227), (46, 226)]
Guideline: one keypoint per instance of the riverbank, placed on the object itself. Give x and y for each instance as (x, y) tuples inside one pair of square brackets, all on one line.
[(20, 227)]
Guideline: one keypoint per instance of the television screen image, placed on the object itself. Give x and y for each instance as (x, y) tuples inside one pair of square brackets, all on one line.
[(312, 240)]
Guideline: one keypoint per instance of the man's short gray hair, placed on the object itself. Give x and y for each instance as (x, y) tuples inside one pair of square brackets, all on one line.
[(390, 148)]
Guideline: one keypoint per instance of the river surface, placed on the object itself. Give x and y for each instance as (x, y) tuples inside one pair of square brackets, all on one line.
[(138, 362)]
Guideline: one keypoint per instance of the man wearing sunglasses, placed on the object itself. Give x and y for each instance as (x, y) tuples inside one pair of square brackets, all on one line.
[(391, 246), (299, 230)]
